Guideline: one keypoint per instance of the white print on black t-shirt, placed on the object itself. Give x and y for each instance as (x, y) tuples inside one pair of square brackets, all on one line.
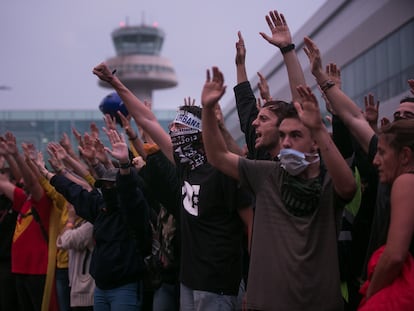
[(190, 201)]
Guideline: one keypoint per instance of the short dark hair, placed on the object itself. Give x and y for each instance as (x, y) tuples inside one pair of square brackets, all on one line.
[(195, 110), (278, 107), (289, 113), (407, 99)]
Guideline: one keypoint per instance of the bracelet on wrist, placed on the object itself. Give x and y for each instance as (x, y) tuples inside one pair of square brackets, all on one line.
[(287, 48), (326, 85), (125, 165)]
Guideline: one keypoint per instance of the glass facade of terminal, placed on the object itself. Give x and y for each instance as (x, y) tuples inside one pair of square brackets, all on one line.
[(384, 69), (43, 126)]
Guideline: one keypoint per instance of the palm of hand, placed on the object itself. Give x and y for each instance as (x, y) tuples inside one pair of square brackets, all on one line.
[(119, 150), (281, 35), (371, 115), (11, 147), (61, 153), (310, 115), (211, 94)]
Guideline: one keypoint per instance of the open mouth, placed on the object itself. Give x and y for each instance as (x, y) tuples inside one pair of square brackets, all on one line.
[(258, 136)]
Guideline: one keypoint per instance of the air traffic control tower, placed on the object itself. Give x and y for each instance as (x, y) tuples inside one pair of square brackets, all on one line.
[(138, 62)]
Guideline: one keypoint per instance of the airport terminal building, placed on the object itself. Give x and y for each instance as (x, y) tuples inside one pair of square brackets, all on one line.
[(43, 126), (372, 41)]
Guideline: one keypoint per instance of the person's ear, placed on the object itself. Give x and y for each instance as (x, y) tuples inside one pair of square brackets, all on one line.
[(406, 156)]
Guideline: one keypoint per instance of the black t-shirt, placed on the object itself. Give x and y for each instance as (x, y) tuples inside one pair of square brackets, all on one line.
[(211, 230)]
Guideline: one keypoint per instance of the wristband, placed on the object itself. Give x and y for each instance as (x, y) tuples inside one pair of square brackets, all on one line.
[(125, 165), (287, 48), (326, 85)]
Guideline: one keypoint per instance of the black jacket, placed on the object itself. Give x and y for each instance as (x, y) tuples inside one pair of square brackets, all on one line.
[(115, 259)]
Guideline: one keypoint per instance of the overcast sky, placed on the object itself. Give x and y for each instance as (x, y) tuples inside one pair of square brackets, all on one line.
[(49, 47)]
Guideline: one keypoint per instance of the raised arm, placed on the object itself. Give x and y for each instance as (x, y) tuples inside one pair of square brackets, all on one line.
[(343, 106), (282, 39), (241, 71), (14, 168), (57, 155), (30, 180), (216, 149), (142, 115), (132, 135), (309, 113), (230, 142), (263, 88)]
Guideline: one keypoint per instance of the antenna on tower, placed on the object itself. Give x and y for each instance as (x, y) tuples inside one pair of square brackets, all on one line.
[(126, 21)]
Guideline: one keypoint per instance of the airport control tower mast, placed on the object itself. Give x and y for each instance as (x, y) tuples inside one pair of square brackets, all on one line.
[(138, 62)]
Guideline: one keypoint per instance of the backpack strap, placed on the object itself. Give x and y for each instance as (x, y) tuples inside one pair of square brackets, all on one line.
[(36, 217)]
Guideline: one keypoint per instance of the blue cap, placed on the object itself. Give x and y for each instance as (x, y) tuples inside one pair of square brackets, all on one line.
[(111, 104)]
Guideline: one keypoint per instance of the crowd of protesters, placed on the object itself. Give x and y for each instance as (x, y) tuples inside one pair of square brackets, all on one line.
[(302, 218)]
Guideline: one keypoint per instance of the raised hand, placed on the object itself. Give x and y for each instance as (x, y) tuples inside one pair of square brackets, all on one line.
[(110, 122), (54, 161), (240, 50), (39, 160), (281, 36), (213, 89), (94, 130), (88, 148), (371, 109), (334, 74), (263, 88), (219, 115), (119, 147), (10, 144), (65, 143), (100, 153), (126, 125), (60, 152), (188, 101), (314, 55), (78, 136), (308, 109), (3, 147), (29, 151), (258, 103), (103, 72)]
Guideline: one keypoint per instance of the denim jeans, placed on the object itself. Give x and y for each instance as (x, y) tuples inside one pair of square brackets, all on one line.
[(197, 300), (122, 298), (63, 289), (166, 298)]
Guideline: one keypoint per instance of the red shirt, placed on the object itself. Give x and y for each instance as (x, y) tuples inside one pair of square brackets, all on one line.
[(29, 249)]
